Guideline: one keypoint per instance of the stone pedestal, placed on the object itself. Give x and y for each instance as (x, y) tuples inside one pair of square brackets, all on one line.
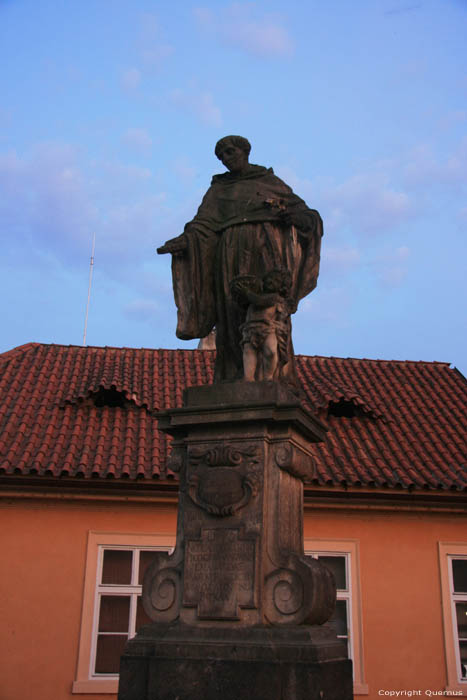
[(238, 609)]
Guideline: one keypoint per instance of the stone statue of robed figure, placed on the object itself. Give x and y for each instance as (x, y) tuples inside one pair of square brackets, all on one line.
[(250, 224), (237, 609)]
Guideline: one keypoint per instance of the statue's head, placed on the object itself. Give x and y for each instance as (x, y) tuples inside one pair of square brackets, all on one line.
[(233, 151)]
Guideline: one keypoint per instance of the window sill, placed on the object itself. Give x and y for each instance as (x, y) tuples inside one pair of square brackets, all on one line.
[(360, 689), (96, 686)]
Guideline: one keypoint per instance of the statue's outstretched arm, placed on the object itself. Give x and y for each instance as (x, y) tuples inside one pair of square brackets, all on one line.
[(176, 246)]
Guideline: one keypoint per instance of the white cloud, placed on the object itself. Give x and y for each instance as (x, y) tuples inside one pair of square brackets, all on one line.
[(237, 26), (341, 258), (365, 202), (153, 49), (393, 276), (371, 201), (403, 252), (139, 139), (149, 26), (154, 56), (184, 169), (200, 103), (134, 219), (127, 172), (453, 118), (392, 266), (6, 120), (383, 195), (131, 79), (462, 216), (328, 305), (424, 168), (50, 204), (46, 199)]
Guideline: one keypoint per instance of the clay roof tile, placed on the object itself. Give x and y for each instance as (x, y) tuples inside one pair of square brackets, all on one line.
[(408, 428)]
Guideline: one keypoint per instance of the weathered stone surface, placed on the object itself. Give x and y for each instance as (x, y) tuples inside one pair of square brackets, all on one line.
[(239, 553), (237, 408), (238, 609), (219, 597), (251, 252), (268, 663)]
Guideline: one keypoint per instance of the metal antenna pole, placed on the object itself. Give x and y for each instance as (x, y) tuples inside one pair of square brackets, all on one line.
[(89, 287)]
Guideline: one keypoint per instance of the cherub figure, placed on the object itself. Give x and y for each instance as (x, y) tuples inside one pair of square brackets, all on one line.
[(266, 328)]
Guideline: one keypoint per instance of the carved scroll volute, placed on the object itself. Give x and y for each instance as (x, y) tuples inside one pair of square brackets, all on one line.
[(295, 461), (162, 589), (176, 458), (301, 592), (224, 455)]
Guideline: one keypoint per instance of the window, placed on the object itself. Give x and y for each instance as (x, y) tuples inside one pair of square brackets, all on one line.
[(119, 609), (458, 571), (341, 557), (338, 565), (112, 607), (453, 569)]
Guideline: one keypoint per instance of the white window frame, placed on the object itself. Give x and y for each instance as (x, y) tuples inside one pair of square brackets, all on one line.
[(447, 552), (350, 550), (86, 680)]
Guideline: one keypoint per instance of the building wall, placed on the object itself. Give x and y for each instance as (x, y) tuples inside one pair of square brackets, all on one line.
[(403, 644), (44, 545)]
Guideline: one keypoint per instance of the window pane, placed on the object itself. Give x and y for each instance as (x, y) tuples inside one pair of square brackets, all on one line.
[(459, 575), (141, 617), (337, 566), (339, 618), (463, 655), (461, 613), (114, 613), (116, 567), (109, 650), (145, 559)]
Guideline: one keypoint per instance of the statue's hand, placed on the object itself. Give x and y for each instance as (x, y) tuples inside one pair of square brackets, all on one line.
[(175, 246), (290, 217)]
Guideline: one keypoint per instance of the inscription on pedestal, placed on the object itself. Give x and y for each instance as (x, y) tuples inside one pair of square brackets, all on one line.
[(220, 574)]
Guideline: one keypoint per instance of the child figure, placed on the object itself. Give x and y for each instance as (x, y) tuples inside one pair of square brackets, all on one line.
[(265, 331)]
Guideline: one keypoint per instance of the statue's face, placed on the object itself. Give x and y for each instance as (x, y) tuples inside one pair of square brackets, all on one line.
[(273, 282), (234, 158)]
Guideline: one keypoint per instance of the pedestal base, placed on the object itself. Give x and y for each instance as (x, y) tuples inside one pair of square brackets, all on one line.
[(179, 662)]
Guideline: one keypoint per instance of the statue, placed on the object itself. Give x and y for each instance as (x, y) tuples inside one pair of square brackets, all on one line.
[(238, 609), (250, 223), (265, 333)]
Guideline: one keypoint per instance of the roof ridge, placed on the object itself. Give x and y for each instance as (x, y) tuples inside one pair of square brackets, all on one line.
[(26, 346), (8, 354), (376, 359), (100, 347)]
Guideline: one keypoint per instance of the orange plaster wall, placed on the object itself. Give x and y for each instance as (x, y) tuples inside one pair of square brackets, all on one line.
[(41, 589), (403, 643), (44, 552)]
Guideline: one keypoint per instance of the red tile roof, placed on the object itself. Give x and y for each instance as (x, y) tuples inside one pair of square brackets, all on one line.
[(408, 428)]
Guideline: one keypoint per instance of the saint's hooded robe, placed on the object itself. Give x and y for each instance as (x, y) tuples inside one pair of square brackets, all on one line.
[(238, 231)]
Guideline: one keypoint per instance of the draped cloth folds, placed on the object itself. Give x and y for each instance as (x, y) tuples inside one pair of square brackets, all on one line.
[(238, 231)]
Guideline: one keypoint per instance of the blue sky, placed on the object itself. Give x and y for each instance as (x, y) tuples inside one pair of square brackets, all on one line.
[(109, 114)]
